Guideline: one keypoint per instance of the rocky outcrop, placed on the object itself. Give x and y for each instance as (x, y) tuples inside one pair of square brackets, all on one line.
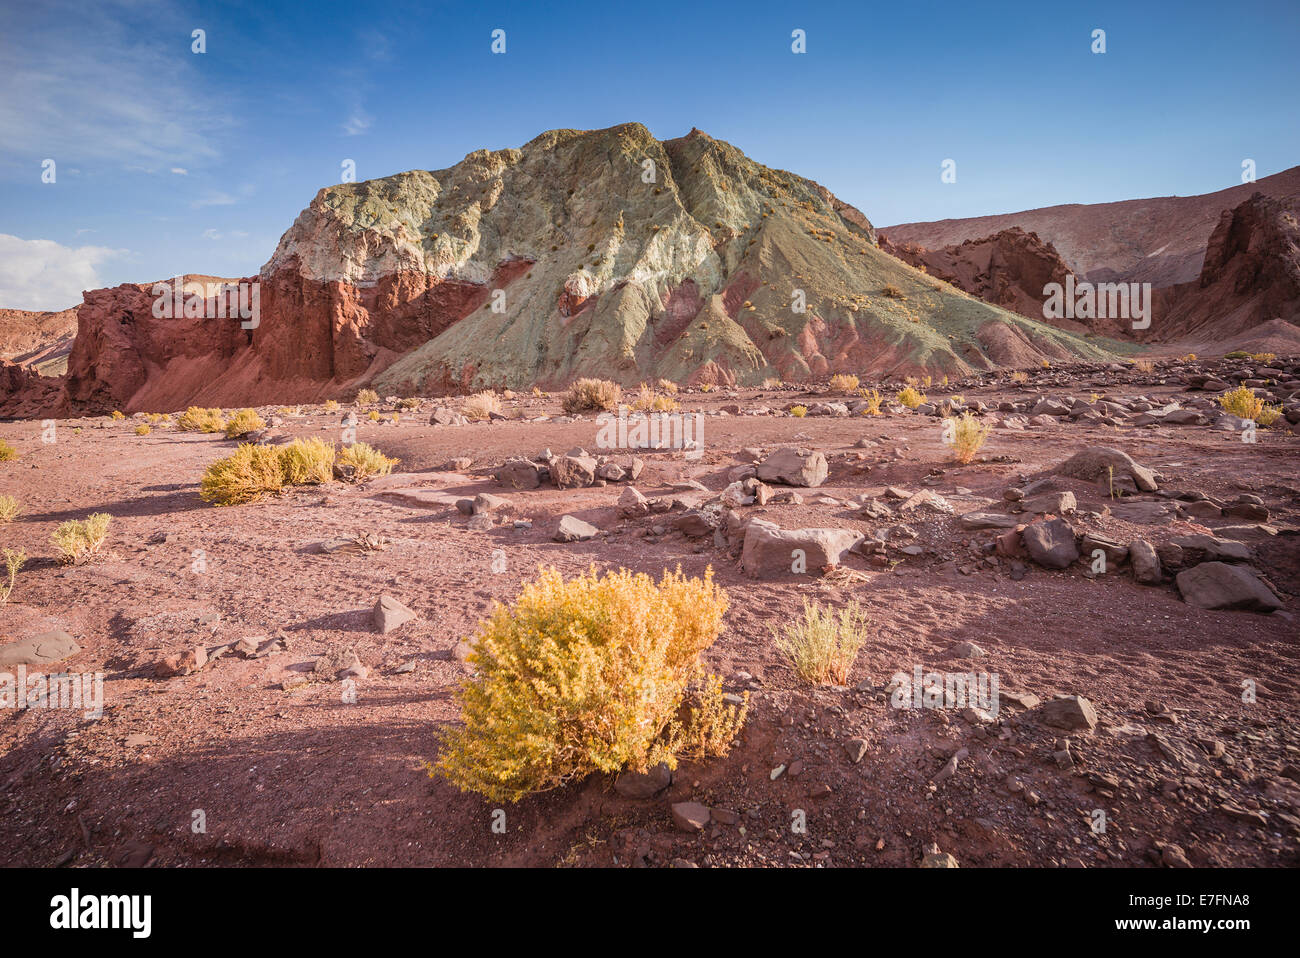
[(38, 340), (605, 253)]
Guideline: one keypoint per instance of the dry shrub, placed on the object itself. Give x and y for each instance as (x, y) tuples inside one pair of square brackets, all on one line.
[(1020, 376), (585, 676), (910, 397), (798, 411), (1263, 357), (9, 508), (1268, 415), (13, 561), (306, 462), (711, 724), (1242, 402), (373, 415), (117, 415), (7, 452), (365, 461), (481, 406), (668, 386), (243, 422), (1144, 365), (843, 383), (199, 419), (410, 402), (648, 400), (824, 644), (966, 435), (892, 291), (143, 429), (79, 539), (592, 394), (331, 405), (772, 383), (874, 399), (367, 397), (245, 476)]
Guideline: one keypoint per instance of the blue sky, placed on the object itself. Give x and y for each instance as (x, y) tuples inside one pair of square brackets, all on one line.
[(169, 161)]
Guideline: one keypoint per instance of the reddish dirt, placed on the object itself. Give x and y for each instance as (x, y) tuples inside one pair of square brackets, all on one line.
[(303, 778)]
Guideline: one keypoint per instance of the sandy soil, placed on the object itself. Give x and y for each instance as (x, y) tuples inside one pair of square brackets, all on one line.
[(302, 777)]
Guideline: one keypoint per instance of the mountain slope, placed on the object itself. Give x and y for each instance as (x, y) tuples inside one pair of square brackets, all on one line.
[(1161, 240)]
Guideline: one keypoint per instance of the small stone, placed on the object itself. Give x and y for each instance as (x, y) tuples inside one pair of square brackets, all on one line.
[(690, 816), (389, 614)]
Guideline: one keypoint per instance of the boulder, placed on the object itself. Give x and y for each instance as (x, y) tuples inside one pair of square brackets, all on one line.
[(794, 467), (1099, 463), (1218, 585), (575, 530), (1051, 543), (571, 472), (43, 649), (389, 614), (771, 551), (1072, 712), (519, 474), (632, 504)]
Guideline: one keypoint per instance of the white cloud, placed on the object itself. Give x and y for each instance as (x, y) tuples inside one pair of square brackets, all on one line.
[(214, 199), (43, 274), (356, 124), (180, 171)]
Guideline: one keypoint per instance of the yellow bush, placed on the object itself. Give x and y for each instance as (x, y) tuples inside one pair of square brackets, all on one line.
[(243, 422), (287, 411), (117, 414), (771, 383), (481, 406), (410, 402), (711, 725), (142, 430), (1263, 357), (306, 462), (198, 419), (1046, 364), (7, 452), (367, 397), (668, 386), (1020, 376), (365, 461), (592, 394), (648, 400), (842, 383), (1189, 357), (584, 676), (1242, 402), (706, 387), (9, 508), (13, 561), (1144, 365), (331, 405), (910, 397), (1268, 415), (373, 416), (77, 539), (798, 411), (823, 646), (966, 435), (874, 399), (247, 475)]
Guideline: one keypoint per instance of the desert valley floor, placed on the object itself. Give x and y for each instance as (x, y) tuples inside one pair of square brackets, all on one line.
[(287, 773)]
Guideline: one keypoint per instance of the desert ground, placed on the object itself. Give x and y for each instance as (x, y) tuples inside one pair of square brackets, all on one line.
[(287, 771)]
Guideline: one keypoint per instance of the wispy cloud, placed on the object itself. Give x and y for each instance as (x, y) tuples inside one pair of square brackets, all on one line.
[(180, 171), (104, 82), (43, 274), (356, 124)]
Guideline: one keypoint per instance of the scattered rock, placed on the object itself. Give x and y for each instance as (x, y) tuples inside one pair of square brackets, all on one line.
[(794, 467), (690, 816), (575, 530), (389, 614), (1051, 543), (1218, 585), (40, 649), (1072, 712)]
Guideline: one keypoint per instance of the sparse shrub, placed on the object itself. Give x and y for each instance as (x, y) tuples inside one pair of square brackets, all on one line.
[(367, 397), (648, 400), (1237, 354), (592, 394), (585, 676), (143, 429), (798, 411), (668, 386), (9, 509), (481, 406), (892, 291), (199, 419), (373, 416), (771, 383), (1046, 364), (874, 399), (410, 402), (537, 392), (365, 461), (1020, 376), (7, 452), (243, 422), (79, 539), (824, 644), (245, 476), (958, 400), (843, 383), (331, 405), (910, 397), (13, 560), (706, 387), (1268, 415), (1144, 365), (1263, 357), (1190, 357), (711, 724), (287, 411), (966, 435), (306, 462), (117, 415), (1242, 402)]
